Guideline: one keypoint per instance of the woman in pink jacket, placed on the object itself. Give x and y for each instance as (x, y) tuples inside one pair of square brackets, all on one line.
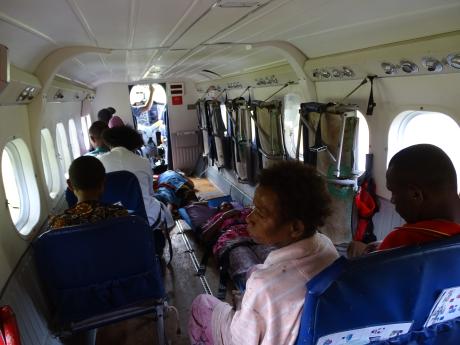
[(291, 202)]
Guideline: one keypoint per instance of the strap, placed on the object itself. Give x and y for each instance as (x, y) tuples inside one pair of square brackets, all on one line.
[(168, 238), (371, 104)]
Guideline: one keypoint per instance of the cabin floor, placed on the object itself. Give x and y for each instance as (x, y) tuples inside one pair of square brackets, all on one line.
[(181, 283)]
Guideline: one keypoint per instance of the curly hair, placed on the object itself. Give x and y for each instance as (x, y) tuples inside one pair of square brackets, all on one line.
[(124, 136), (301, 192)]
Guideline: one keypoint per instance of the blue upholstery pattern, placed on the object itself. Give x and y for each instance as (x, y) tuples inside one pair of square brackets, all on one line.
[(120, 186), (394, 286), (97, 268)]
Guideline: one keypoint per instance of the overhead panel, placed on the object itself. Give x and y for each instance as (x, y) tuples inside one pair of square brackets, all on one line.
[(137, 63), (215, 20), (53, 18), (378, 31), (25, 50), (108, 20), (257, 59), (158, 25)]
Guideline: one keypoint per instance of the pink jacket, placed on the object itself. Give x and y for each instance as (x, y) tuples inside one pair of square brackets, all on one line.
[(275, 293)]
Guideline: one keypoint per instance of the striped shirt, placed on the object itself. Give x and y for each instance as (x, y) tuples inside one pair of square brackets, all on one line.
[(274, 297)]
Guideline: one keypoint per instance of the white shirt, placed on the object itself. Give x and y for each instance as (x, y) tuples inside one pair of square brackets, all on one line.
[(120, 158)]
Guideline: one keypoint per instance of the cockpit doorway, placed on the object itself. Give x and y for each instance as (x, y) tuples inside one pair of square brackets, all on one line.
[(150, 116)]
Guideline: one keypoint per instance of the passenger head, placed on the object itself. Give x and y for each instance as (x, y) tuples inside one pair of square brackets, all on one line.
[(116, 121), (225, 206), (124, 136), (423, 183), (95, 133), (86, 178), (104, 115), (112, 110), (291, 202)]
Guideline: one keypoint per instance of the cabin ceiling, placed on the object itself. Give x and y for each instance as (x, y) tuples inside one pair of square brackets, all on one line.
[(173, 39)]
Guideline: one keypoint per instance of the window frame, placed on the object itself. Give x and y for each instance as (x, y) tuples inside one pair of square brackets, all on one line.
[(62, 144), (397, 133), (52, 166), (26, 185), (73, 138)]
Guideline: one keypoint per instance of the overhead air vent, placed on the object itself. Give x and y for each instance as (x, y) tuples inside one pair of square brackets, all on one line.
[(237, 4)]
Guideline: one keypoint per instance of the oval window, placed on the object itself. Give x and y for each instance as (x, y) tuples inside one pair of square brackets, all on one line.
[(63, 148), (50, 163), (425, 127), (362, 147), (85, 124), (74, 144), (291, 119), (20, 186)]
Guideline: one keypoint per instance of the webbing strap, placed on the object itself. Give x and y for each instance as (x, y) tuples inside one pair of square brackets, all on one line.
[(371, 104)]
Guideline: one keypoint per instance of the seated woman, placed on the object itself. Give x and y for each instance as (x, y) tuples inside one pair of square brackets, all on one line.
[(291, 202), (122, 142)]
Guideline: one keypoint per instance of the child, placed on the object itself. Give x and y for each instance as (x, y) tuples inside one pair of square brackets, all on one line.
[(291, 202), (86, 180)]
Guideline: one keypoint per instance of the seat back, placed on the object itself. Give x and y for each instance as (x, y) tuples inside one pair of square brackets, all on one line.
[(120, 187), (362, 297), (97, 268)]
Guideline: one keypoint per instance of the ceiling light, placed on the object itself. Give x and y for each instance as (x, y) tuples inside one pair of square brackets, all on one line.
[(432, 64), (348, 72), (389, 68), (336, 73), (454, 60), (408, 66)]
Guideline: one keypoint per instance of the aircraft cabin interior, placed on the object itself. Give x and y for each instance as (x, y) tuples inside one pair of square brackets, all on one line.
[(220, 91)]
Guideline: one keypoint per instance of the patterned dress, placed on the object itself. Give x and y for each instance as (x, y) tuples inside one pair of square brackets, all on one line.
[(86, 212)]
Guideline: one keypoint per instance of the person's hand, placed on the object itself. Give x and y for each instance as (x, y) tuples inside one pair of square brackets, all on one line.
[(237, 298), (356, 248)]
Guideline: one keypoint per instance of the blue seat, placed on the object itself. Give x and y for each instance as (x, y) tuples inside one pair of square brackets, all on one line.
[(120, 187), (395, 286), (100, 273)]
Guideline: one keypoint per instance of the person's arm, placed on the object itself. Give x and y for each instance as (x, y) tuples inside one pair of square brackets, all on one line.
[(149, 103)]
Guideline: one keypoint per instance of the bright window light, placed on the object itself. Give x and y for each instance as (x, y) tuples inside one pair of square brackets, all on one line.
[(362, 144), (63, 148), (291, 119), (223, 112), (418, 127), (84, 129), (20, 186), (50, 163), (11, 186), (73, 136)]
